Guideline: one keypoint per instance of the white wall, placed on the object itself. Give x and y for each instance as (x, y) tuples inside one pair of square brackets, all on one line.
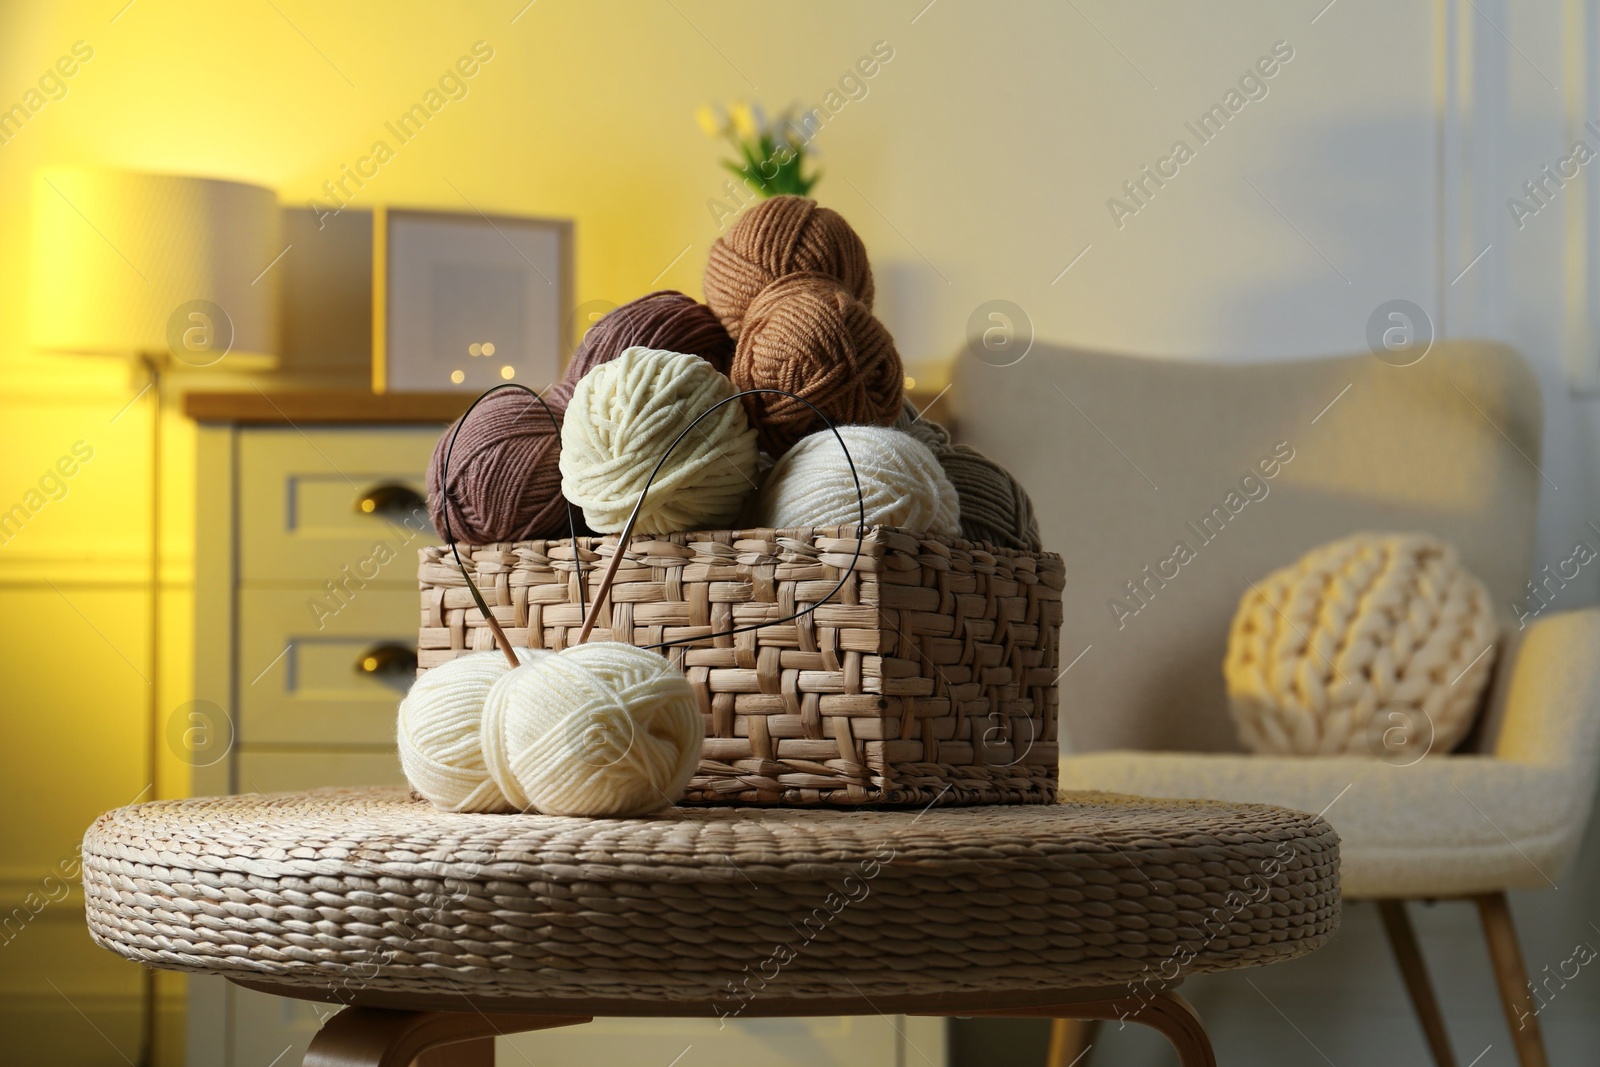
[(1378, 166)]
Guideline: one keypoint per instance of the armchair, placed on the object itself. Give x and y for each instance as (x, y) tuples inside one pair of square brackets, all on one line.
[(1128, 457)]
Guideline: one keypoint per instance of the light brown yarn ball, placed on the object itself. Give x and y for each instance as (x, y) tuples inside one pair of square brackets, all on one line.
[(994, 506), (778, 237), (1375, 644), (807, 335)]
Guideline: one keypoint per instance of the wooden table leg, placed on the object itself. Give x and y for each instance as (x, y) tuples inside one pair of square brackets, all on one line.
[(479, 1052), (1165, 1012), (1070, 1042), (377, 1037), (1177, 1021)]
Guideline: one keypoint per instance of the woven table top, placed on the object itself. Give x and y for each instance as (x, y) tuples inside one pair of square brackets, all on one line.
[(370, 891)]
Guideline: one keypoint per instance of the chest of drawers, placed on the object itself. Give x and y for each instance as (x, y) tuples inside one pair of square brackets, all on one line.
[(309, 512), (306, 604)]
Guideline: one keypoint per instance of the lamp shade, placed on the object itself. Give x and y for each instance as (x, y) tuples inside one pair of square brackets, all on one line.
[(137, 263)]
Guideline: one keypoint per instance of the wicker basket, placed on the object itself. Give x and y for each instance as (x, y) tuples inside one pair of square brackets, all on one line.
[(929, 677)]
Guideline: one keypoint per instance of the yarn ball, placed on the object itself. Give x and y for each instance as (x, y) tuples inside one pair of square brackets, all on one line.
[(505, 481), (665, 319), (778, 237), (1375, 643), (925, 430), (901, 483), (440, 732), (625, 414), (596, 729), (994, 506), (808, 335)]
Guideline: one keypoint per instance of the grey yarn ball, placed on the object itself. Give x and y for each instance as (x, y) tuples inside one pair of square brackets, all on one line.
[(994, 506)]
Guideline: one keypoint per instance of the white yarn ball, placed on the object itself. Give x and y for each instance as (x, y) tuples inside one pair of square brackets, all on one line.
[(440, 732), (1376, 643), (901, 481), (623, 417), (597, 729)]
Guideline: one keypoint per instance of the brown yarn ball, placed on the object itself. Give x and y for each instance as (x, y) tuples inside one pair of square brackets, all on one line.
[(665, 319), (806, 334), (505, 482), (778, 237), (994, 506)]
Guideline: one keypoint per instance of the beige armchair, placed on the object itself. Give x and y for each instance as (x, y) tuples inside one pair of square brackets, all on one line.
[(1127, 457)]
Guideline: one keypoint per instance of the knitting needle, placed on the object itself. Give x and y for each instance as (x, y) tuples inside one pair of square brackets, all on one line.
[(611, 572)]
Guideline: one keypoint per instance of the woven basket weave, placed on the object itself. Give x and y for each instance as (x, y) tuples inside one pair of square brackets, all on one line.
[(367, 892), (929, 677)]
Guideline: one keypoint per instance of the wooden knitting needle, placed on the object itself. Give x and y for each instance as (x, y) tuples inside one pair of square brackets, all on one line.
[(495, 628), (501, 639), (611, 571), (633, 517)]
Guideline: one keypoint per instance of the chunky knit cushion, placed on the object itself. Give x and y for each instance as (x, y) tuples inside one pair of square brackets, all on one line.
[(1375, 643)]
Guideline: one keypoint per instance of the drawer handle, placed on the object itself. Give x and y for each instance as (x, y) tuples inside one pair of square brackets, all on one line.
[(389, 659), (391, 498)]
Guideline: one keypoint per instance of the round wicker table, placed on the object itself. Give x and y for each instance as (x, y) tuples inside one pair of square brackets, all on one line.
[(442, 930)]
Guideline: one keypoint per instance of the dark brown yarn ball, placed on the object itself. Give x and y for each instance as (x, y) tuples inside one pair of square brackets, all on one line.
[(665, 320), (778, 237), (808, 335), (505, 482)]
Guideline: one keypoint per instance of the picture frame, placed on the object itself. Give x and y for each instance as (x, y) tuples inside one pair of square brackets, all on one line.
[(463, 301)]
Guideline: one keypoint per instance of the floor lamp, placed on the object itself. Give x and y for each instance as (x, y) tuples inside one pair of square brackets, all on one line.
[(170, 273)]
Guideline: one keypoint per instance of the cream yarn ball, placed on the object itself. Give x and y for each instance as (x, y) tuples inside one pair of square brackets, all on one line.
[(623, 417), (597, 729), (439, 732), (901, 481), (1375, 643)]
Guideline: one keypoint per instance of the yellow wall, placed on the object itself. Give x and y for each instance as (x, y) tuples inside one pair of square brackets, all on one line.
[(584, 113)]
